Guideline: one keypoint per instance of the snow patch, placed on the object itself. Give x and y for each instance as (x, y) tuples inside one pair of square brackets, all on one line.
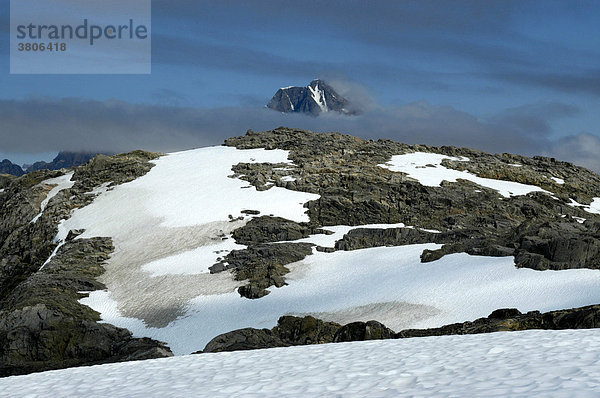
[(62, 182), (290, 100), (428, 170), (191, 262), (319, 97), (593, 207), (59, 239), (558, 180)]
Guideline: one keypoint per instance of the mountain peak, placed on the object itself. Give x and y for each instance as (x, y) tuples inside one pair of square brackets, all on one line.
[(316, 98)]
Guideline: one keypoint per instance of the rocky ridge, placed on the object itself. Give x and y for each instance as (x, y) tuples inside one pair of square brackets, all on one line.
[(292, 330), (542, 231), (63, 160)]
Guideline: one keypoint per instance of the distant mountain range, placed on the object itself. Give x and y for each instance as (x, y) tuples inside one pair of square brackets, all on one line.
[(63, 160), (316, 98)]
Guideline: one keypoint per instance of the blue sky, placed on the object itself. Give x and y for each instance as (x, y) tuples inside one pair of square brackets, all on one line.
[(519, 76)]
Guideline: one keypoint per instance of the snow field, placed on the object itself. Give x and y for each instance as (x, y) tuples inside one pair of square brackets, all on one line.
[(428, 170), (388, 284), (562, 363), (171, 224)]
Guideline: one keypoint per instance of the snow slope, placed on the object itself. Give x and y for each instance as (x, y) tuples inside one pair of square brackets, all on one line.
[(391, 282), (170, 225), (428, 170), (515, 364)]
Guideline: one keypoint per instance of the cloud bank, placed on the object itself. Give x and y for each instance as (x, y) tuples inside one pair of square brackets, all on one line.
[(43, 125)]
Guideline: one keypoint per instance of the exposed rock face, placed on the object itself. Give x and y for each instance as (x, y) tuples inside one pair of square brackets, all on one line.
[(8, 167), (270, 229), (360, 331), (42, 324), (290, 330), (512, 320), (263, 262), (244, 339), (541, 231), (5, 180), (63, 160), (314, 99), (308, 330)]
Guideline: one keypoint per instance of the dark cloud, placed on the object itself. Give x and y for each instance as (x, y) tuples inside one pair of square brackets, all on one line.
[(42, 125), (196, 52), (587, 82), (475, 38), (533, 118)]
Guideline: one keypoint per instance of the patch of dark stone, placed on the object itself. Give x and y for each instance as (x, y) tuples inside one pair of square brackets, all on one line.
[(262, 265), (263, 262), (292, 331)]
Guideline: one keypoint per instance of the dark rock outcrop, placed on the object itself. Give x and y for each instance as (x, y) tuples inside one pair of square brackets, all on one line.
[(244, 339), (306, 330), (34, 339), (512, 319), (360, 331), (267, 229), (262, 265), (292, 330)]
